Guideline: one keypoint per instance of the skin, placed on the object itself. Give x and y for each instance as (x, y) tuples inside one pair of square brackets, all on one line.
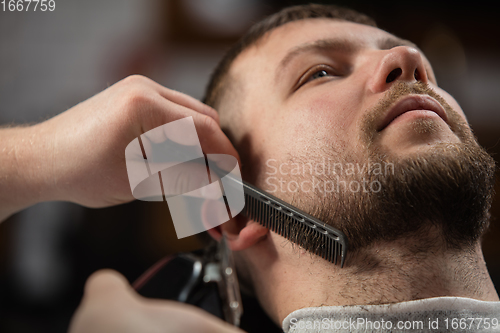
[(78, 156), (279, 120), (326, 111), (56, 160), (110, 305)]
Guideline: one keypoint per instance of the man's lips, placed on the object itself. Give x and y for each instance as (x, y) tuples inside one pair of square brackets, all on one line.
[(412, 103)]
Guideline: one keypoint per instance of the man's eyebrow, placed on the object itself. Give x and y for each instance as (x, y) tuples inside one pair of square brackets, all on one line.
[(340, 45), (335, 44)]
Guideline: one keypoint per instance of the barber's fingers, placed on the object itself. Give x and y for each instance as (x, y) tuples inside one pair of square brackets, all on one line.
[(110, 305), (173, 95), (189, 102), (190, 179), (210, 135), (151, 105), (106, 282)]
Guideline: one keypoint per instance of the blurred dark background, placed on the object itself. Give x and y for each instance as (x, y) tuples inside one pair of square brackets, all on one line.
[(50, 61)]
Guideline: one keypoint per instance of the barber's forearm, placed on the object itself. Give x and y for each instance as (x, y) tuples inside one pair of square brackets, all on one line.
[(26, 166), (78, 156)]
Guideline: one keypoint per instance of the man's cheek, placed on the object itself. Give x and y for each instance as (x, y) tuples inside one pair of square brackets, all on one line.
[(451, 101)]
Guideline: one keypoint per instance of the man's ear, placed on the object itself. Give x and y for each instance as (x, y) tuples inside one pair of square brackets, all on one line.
[(241, 233)]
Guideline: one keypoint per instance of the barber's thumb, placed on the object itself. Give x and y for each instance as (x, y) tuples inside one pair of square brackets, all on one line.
[(107, 282)]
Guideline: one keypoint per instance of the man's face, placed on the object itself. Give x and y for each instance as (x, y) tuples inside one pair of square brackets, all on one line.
[(298, 98), (327, 91)]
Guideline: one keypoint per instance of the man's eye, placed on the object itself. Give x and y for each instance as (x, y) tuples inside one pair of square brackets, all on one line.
[(317, 72)]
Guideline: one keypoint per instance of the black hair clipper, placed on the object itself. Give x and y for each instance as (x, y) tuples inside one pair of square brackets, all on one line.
[(207, 280)]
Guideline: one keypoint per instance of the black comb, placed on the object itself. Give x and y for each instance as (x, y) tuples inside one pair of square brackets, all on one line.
[(281, 217)]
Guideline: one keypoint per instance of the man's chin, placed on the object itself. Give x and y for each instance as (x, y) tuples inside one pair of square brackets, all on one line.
[(418, 136), (449, 182)]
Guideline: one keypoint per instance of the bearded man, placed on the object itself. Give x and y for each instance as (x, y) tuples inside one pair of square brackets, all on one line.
[(307, 85)]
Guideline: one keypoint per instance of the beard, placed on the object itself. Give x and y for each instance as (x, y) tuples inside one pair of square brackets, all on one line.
[(448, 187)]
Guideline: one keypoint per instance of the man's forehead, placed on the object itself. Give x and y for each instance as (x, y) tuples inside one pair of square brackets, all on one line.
[(282, 43)]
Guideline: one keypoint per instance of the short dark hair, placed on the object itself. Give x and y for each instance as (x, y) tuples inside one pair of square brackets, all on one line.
[(218, 80)]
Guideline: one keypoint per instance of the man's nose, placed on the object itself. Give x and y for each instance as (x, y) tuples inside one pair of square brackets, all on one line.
[(402, 63)]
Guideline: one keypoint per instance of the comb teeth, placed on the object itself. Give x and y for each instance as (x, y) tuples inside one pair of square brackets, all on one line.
[(290, 222), (295, 225)]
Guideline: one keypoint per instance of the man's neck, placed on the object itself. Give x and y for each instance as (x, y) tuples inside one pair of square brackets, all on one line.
[(393, 272)]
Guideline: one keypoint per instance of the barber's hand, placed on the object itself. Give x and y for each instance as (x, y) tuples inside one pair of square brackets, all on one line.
[(87, 151), (110, 305)]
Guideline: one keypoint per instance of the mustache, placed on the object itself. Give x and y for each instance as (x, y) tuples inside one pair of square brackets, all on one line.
[(399, 90)]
